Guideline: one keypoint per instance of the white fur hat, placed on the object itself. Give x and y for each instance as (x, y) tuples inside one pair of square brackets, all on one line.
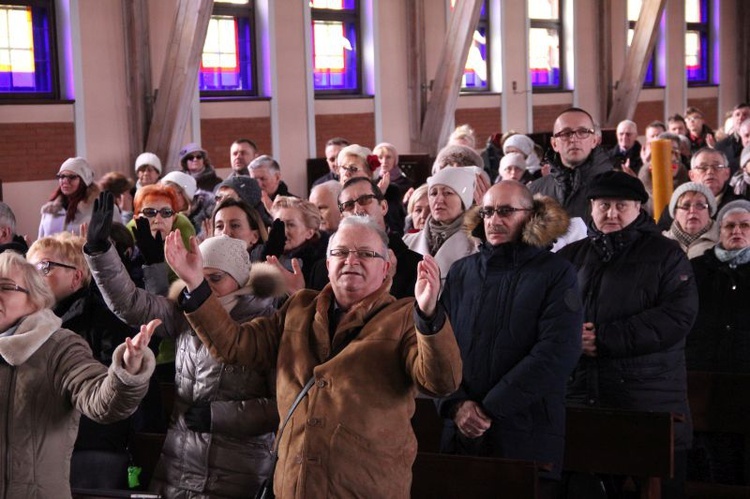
[(520, 142), (80, 167), (461, 179), (150, 159), (227, 254), (513, 159), (185, 181)]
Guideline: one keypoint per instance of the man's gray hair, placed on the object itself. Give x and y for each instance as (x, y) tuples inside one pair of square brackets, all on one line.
[(365, 222), (629, 123), (265, 161), (332, 187), (7, 218), (707, 150)]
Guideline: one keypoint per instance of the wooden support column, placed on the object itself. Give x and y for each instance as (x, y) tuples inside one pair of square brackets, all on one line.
[(605, 56), (416, 71), (178, 80), (138, 74), (441, 107), (631, 81)]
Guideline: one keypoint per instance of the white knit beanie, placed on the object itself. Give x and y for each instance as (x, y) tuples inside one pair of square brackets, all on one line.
[(513, 159), (227, 254), (521, 142), (80, 167), (185, 181), (693, 187), (461, 179), (150, 159)]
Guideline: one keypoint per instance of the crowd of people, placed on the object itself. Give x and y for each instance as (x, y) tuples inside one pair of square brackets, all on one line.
[(297, 332)]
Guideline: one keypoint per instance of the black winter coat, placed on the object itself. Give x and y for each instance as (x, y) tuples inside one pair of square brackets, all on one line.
[(516, 313), (720, 340), (569, 187), (642, 299)]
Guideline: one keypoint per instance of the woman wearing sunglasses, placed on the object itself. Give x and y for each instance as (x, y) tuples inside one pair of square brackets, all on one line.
[(224, 415), (72, 201), (159, 204)]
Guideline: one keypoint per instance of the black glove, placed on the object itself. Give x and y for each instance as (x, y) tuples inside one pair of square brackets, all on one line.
[(276, 240), (152, 248), (100, 225), (198, 417)]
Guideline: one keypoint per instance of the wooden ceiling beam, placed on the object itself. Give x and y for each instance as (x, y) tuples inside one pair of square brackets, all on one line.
[(441, 107), (630, 83), (137, 74), (179, 75)]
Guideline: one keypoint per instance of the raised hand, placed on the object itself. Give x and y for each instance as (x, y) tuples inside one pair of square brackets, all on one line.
[(135, 348), (152, 248), (294, 280), (187, 264), (384, 182), (100, 225), (481, 187), (427, 287), (274, 246)]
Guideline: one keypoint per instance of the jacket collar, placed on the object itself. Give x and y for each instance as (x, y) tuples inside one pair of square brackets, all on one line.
[(33, 331)]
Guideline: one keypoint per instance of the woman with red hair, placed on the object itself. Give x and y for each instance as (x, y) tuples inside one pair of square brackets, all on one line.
[(159, 204)]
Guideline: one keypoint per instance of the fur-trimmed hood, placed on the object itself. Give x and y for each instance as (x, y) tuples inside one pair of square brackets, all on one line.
[(548, 221), (265, 281), (33, 331), (56, 205)]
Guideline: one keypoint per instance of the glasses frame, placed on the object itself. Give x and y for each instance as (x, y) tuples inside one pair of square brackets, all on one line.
[(46, 266), (155, 212), (698, 206), (12, 286), (363, 200), (194, 157), (70, 178), (705, 168), (360, 254), (486, 212), (579, 133)]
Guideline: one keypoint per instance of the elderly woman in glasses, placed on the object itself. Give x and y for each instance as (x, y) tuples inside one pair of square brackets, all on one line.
[(224, 415), (450, 193), (159, 205), (72, 201), (59, 260), (692, 208), (50, 378)]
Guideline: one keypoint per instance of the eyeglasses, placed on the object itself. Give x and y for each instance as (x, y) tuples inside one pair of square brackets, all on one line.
[(363, 200), (12, 286), (216, 277), (730, 226), (502, 211), (694, 118), (69, 178), (351, 168), (152, 212), (688, 206), (193, 157), (46, 266), (705, 168), (580, 133), (361, 254)]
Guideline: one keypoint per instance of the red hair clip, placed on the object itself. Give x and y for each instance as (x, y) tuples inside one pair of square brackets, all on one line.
[(373, 162)]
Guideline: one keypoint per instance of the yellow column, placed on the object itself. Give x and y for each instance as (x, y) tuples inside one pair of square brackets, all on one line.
[(661, 174)]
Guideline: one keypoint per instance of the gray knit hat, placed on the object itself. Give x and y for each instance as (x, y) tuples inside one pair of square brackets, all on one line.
[(693, 187), (247, 188), (736, 205), (227, 254)]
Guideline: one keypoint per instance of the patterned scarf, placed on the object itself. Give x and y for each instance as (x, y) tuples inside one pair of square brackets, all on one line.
[(686, 239), (739, 182), (438, 233)]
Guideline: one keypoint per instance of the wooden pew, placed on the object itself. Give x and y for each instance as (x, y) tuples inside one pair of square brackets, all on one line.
[(720, 402), (619, 442), (446, 476)]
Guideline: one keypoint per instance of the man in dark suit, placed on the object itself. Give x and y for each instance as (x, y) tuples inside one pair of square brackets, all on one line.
[(628, 149)]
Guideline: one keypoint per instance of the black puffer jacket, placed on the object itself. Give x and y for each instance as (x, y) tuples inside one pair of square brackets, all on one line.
[(720, 340), (568, 186), (639, 291)]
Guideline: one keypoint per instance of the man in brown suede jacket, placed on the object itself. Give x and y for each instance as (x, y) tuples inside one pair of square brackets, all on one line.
[(351, 435)]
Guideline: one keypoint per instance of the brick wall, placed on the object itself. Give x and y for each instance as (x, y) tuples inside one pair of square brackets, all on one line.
[(356, 128), (34, 151), (710, 108), (646, 112), (484, 121), (545, 116), (218, 134)]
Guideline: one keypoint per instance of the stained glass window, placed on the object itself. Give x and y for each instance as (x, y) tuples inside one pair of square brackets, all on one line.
[(476, 72), (545, 34), (27, 52), (228, 58), (697, 42), (335, 42)]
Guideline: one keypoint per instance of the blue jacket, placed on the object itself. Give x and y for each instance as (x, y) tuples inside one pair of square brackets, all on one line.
[(516, 313)]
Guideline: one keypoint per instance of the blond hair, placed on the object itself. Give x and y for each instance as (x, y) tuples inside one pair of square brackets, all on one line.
[(310, 213), (68, 247), (39, 292)]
